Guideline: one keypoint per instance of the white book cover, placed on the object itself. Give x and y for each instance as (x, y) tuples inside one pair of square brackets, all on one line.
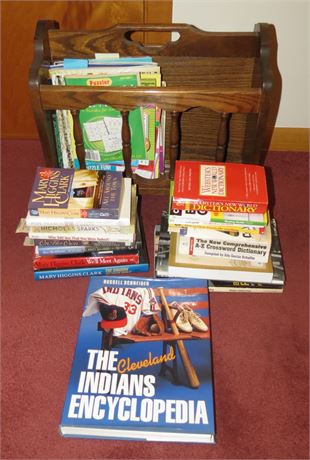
[(229, 245), (216, 268)]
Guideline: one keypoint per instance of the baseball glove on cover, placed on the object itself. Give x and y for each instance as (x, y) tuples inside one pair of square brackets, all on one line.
[(149, 325)]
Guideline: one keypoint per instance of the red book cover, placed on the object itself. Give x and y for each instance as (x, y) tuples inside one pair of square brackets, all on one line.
[(220, 187), (46, 262)]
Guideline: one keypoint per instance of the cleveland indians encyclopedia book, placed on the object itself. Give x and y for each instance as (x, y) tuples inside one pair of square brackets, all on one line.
[(142, 367)]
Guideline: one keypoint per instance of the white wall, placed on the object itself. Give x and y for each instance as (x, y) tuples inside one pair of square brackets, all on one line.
[(292, 22)]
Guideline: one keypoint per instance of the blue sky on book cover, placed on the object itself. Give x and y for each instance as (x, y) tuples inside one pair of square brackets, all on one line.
[(150, 402)]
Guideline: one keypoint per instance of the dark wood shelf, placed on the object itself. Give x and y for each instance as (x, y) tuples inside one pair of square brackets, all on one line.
[(221, 97)]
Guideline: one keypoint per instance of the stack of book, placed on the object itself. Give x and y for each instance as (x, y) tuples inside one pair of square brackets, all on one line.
[(83, 223), (101, 124), (218, 226)]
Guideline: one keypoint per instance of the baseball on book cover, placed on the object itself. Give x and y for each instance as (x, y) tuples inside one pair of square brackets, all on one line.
[(65, 192), (220, 187), (142, 367)]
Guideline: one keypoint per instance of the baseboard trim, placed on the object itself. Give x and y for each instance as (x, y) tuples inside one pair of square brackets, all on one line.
[(290, 140)]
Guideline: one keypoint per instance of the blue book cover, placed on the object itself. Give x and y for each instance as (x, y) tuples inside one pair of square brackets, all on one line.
[(142, 367)]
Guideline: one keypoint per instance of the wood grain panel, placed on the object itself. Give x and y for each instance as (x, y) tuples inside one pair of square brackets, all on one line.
[(18, 22), (290, 140)]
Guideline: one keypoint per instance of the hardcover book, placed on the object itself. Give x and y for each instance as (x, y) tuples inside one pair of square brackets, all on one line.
[(213, 219), (103, 259), (142, 266), (64, 192), (235, 245), (137, 373), (276, 285), (245, 286), (220, 187), (216, 268), (278, 280)]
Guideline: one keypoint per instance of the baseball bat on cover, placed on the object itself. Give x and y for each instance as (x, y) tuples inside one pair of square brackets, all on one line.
[(188, 366)]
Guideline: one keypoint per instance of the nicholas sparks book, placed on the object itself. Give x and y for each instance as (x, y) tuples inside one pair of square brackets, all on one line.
[(68, 192), (142, 367)]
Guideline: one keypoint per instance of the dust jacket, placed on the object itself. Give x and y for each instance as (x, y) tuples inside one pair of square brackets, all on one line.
[(219, 187), (142, 368)]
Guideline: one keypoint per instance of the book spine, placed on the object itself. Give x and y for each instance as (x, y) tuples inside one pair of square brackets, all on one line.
[(109, 195), (76, 223), (209, 219), (218, 227), (46, 262), (119, 238), (57, 141), (76, 213), (208, 247), (97, 166), (90, 271), (242, 287), (81, 228), (96, 251), (81, 245), (216, 206)]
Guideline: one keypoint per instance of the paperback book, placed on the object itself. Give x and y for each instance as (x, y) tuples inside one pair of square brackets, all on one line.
[(76, 193), (136, 374), (122, 220), (58, 273), (52, 248), (102, 124), (142, 266), (220, 187), (90, 232)]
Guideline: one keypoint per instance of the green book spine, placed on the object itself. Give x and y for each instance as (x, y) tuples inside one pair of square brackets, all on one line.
[(57, 141)]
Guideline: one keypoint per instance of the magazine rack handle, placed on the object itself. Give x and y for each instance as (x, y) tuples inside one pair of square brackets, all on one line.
[(190, 40)]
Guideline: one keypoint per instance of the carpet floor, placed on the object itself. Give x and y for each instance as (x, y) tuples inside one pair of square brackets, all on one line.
[(260, 341)]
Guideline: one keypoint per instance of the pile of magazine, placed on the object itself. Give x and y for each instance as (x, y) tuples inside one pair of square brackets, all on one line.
[(101, 124)]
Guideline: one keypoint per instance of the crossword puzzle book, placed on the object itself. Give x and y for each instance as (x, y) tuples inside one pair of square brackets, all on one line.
[(136, 374), (102, 124)]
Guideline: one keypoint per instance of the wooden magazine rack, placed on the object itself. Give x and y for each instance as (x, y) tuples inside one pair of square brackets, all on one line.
[(221, 97)]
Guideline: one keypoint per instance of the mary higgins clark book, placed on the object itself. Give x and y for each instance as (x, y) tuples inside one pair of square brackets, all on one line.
[(142, 367), (65, 192)]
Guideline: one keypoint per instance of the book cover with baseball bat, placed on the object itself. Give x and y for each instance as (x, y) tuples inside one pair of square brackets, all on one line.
[(142, 367)]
